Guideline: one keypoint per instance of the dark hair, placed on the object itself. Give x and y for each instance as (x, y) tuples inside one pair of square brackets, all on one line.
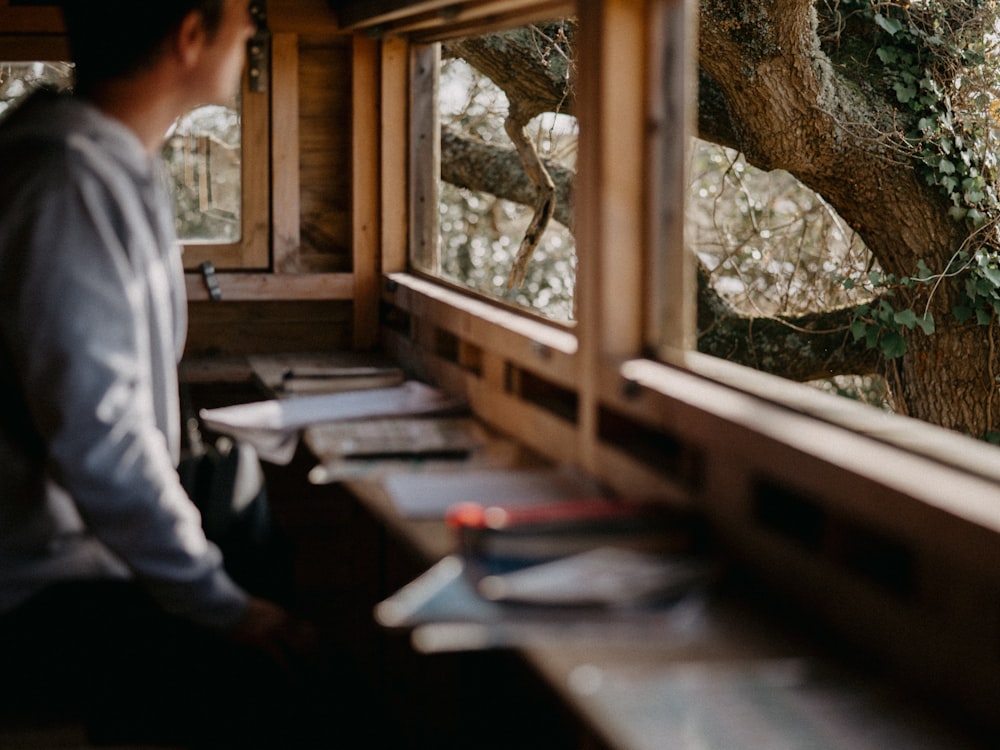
[(114, 38)]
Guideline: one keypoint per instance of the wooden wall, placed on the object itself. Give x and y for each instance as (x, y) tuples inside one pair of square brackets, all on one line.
[(316, 238), (325, 149)]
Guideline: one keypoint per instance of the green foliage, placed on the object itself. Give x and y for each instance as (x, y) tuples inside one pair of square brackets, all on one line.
[(927, 61), (881, 325), (934, 58)]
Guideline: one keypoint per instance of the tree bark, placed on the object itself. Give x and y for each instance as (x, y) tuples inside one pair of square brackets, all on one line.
[(786, 105), (769, 89), (496, 170), (811, 346)]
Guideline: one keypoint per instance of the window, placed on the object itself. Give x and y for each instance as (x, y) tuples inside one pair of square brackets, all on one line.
[(203, 155), (218, 219), (504, 220), (881, 285)]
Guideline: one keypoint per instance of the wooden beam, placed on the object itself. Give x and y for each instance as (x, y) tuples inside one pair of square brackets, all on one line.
[(30, 20), (286, 196), (365, 190), (425, 156), (301, 16), (241, 287), (31, 47), (671, 85), (395, 149)]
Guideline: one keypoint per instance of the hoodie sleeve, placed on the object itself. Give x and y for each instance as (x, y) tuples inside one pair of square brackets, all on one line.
[(93, 340)]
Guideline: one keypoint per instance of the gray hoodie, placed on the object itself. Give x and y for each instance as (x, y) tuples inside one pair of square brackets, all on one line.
[(92, 324)]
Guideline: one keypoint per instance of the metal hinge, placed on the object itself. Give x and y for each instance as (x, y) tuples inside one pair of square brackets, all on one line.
[(259, 49)]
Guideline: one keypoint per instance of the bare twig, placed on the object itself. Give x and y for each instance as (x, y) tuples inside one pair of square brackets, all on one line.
[(545, 203)]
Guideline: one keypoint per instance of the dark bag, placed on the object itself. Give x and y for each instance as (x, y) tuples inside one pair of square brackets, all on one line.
[(226, 482)]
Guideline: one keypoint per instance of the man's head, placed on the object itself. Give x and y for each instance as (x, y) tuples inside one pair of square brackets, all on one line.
[(112, 39)]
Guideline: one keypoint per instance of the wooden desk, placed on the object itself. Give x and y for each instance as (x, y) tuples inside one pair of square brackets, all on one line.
[(747, 673), (739, 672)]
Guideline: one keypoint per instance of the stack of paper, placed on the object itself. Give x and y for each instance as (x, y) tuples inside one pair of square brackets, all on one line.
[(371, 448), (273, 427)]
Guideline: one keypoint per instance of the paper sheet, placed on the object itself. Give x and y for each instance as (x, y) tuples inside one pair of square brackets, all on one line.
[(273, 426)]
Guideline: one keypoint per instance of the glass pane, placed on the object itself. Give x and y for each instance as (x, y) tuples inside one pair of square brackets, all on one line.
[(202, 154), (492, 194), (770, 248)]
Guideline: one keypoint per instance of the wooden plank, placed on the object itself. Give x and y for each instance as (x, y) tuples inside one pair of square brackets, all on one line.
[(425, 157), (670, 301), (325, 209), (249, 286), (30, 20), (590, 229), (301, 16), (531, 344), (227, 255), (395, 148), (622, 191), (267, 327), (365, 190), (432, 14), (28, 48), (256, 196), (286, 203)]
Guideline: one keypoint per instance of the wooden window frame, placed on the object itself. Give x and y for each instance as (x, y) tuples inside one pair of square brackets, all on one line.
[(725, 437), (252, 252)]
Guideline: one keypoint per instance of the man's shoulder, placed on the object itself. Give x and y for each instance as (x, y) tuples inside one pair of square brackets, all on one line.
[(39, 129), (53, 138)]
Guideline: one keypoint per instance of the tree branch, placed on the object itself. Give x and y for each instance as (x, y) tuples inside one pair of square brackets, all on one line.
[(488, 168), (545, 195), (802, 347)]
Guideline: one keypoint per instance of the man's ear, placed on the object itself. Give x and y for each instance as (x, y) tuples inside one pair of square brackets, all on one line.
[(189, 39)]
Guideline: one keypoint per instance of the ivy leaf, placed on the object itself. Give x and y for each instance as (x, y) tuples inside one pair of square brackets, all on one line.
[(984, 287), (926, 323), (904, 93), (848, 284), (946, 167), (991, 272), (859, 329), (906, 318), (962, 313), (887, 55), (893, 346), (983, 316), (891, 26), (871, 336)]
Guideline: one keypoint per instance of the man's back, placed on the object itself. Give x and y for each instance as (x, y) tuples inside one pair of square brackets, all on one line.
[(92, 317)]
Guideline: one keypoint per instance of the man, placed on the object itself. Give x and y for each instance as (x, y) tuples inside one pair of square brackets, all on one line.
[(110, 593)]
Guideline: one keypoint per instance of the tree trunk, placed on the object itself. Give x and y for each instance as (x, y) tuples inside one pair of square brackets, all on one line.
[(787, 106), (769, 90)]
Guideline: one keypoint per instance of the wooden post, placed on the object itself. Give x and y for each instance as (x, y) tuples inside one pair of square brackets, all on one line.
[(365, 189)]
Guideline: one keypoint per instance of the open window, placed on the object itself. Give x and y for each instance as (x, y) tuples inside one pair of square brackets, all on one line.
[(495, 208)]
